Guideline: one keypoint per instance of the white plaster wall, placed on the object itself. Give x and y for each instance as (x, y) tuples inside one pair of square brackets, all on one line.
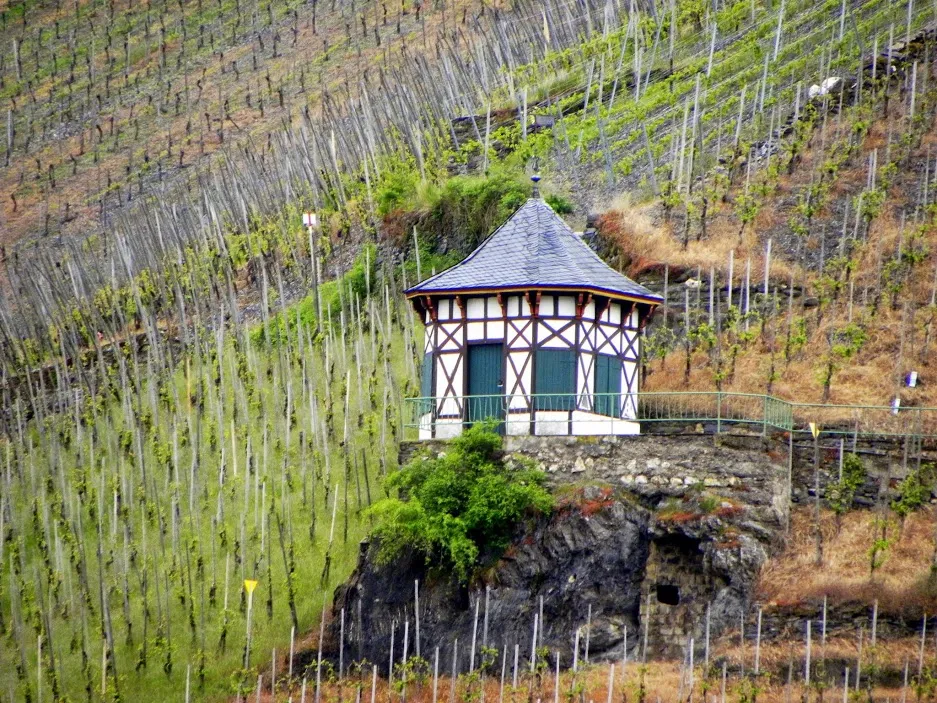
[(587, 334), (476, 331), (518, 399), (585, 423), (475, 308), (517, 424), (551, 423), (634, 338), (564, 340), (446, 429), (629, 369), (428, 337), (566, 305), (449, 364), (444, 309), (519, 333), (451, 328)]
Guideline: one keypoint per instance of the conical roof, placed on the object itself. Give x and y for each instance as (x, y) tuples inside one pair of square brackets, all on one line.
[(534, 249)]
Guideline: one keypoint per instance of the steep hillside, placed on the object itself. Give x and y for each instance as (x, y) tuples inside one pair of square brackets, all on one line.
[(198, 392), (844, 209)]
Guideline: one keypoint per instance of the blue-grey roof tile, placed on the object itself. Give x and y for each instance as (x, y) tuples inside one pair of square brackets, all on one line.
[(534, 248)]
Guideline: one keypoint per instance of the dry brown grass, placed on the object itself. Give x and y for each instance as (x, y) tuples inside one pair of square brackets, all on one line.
[(777, 656), (661, 682), (896, 327), (872, 377), (901, 585), (646, 241)]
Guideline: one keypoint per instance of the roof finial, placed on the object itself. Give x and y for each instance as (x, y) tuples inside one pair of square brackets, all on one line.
[(536, 179)]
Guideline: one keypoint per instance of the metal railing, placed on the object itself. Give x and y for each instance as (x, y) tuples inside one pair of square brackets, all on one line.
[(715, 411)]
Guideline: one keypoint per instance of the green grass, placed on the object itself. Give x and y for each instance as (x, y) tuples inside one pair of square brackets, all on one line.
[(68, 474)]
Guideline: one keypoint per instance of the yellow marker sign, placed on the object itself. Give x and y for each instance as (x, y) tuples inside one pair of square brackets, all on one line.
[(250, 585), (814, 430)]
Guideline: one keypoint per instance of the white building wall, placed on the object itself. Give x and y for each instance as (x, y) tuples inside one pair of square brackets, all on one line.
[(486, 320)]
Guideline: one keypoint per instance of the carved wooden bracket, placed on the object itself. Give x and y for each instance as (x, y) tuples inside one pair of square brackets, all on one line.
[(601, 309), (644, 318), (627, 309)]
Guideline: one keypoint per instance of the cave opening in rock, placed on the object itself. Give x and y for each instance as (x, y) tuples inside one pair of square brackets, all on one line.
[(668, 594)]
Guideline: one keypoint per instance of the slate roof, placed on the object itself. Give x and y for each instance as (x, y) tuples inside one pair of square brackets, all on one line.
[(534, 249)]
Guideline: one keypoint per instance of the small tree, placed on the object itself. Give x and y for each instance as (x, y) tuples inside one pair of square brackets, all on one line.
[(454, 505), (844, 343), (841, 494), (913, 491)]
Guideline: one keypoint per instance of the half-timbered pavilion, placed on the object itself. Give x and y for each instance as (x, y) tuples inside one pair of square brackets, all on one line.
[(532, 329)]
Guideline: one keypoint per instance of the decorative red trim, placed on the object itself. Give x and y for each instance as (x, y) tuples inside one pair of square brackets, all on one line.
[(602, 309), (431, 306), (461, 303)]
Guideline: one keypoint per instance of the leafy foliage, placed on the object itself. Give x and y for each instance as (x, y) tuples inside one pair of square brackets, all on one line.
[(560, 204), (474, 205), (841, 494), (356, 283), (457, 504), (913, 491)]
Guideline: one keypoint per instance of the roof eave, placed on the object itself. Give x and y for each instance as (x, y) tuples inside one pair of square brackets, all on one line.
[(651, 299)]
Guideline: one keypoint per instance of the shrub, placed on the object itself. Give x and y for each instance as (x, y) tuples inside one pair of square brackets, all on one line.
[(913, 491), (472, 206), (841, 494), (454, 506), (397, 190), (559, 204)]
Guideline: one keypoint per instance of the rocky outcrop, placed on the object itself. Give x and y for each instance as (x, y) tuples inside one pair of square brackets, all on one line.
[(648, 531)]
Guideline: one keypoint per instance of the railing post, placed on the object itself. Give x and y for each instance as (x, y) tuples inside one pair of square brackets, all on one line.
[(718, 412), (764, 415)]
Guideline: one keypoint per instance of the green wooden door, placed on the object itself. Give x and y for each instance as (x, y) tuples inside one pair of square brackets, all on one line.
[(555, 379), (485, 384), (608, 385), (426, 385)]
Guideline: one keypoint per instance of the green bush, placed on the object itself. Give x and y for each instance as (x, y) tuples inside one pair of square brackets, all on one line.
[(913, 491), (455, 505), (560, 205), (396, 190), (841, 494), (472, 206)]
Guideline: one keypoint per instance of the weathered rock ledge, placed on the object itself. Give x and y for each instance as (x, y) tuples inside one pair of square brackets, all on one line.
[(647, 526)]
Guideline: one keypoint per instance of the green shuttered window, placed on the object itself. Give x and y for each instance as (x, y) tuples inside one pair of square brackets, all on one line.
[(555, 381), (608, 385)]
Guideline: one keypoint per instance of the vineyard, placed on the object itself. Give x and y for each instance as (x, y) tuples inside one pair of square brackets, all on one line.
[(198, 391)]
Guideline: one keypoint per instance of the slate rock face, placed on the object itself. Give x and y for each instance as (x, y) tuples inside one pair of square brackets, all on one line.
[(644, 529), (570, 560)]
